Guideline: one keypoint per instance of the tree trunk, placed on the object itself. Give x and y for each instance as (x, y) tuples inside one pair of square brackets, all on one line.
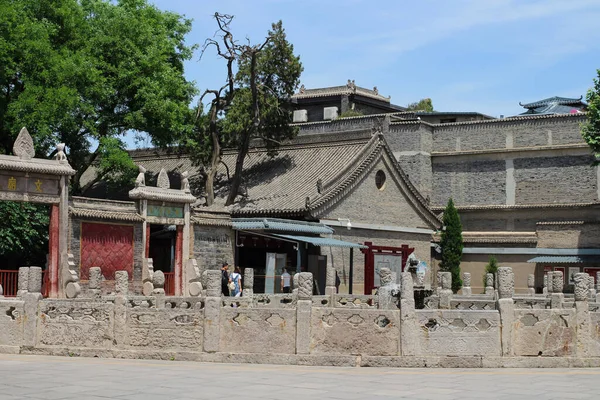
[(215, 159), (239, 162)]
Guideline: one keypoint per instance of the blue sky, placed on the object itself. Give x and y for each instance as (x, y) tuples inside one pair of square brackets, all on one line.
[(466, 55)]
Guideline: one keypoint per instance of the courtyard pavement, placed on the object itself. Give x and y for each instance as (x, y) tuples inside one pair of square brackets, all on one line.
[(39, 377)]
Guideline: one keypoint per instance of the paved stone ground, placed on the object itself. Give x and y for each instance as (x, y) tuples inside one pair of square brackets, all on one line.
[(37, 377)]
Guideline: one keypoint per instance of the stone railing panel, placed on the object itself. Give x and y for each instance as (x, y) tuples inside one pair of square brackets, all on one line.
[(165, 329), (360, 331), (274, 301), (471, 303), (265, 331), (355, 301), (459, 333), (75, 323), (184, 303), (11, 322), (531, 303), (544, 332)]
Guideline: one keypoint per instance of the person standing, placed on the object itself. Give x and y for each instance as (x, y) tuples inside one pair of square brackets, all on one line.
[(236, 279), (225, 279), (285, 281)]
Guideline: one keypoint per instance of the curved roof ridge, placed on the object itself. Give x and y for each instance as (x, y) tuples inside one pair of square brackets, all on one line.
[(362, 164), (553, 99)]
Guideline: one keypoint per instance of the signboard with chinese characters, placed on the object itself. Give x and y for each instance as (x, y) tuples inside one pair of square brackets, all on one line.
[(20, 183), (165, 211)]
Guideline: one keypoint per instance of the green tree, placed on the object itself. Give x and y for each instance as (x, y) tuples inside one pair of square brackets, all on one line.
[(23, 234), (591, 129), (451, 243), (254, 103), (490, 268), (421, 105), (85, 72)]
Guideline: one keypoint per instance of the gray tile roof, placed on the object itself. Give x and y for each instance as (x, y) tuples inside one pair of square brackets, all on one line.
[(554, 100), (288, 184)]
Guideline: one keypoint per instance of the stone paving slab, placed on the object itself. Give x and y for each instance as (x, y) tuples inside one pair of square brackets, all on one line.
[(44, 377)]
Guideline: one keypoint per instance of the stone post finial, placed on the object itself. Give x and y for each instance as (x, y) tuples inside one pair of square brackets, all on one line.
[(295, 283), (213, 283), (545, 288), (194, 279), (557, 282), (531, 284), (70, 278), (581, 286), (95, 282), (597, 281), (158, 280), (23, 282), (34, 283), (385, 276), (248, 282), (23, 146), (446, 280), (407, 290), (122, 283), (489, 283), (305, 286), (147, 276), (466, 288), (1, 291), (506, 283)]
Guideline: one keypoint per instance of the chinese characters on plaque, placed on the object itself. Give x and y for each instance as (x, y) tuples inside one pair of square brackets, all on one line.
[(13, 182)]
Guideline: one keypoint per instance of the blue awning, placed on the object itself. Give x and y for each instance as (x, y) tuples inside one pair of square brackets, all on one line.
[(565, 259), (276, 224), (321, 241)]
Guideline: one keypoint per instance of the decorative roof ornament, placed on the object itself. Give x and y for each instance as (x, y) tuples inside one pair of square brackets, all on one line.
[(185, 182), (163, 180), (60, 153), (23, 147), (351, 85), (375, 90), (302, 89), (141, 178), (319, 185)]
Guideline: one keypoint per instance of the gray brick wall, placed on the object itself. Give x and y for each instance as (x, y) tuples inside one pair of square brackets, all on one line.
[(368, 204), (469, 182), (213, 246), (563, 179), (493, 135)]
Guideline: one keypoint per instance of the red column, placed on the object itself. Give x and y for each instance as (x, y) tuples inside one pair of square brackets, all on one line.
[(53, 252), (178, 261)]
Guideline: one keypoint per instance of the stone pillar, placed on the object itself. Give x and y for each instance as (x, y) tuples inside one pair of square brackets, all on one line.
[(34, 283), (122, 283), (248, 282), (409, 325), (446, 292), (95, 282), (23, 282), (506, 307), (303, 312), (591, 289), (466, 288), (531, 284), (30, 305), (545, 289), (186, 245), (120, 323), (489, 284), (583, 327), (212, 311), (53, 252), (557, 296), (178, 272), (147, 274), (597, 287), (385, 277), (581, 286), (158, 281), (439, 283), (330, 280)]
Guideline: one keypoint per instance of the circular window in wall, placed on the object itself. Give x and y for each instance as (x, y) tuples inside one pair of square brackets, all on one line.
[(380, 180)]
